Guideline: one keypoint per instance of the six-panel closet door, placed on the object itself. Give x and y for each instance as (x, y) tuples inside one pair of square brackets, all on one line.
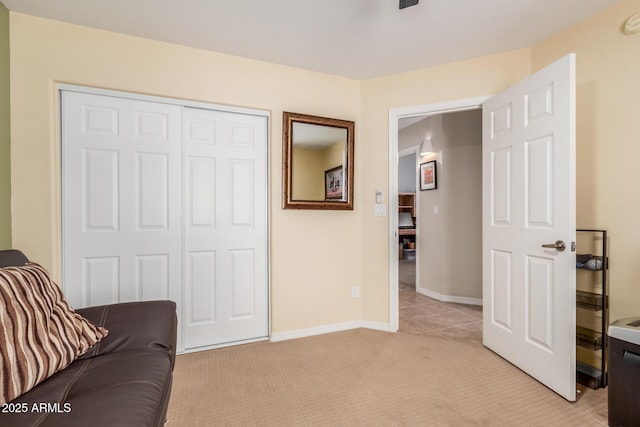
[(225, 227), (163, 201), (121, 170)]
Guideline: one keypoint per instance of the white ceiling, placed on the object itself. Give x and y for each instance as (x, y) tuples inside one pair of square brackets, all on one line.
[(360, 39), (317, 136)]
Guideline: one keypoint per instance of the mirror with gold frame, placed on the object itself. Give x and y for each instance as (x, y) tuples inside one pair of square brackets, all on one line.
[(317, 162)]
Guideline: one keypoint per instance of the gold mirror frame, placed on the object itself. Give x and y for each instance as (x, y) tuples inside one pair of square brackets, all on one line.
[(288, 202)]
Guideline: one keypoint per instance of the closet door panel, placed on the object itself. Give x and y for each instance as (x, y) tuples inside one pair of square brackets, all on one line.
[(152, 191), (100, 190), (121, 199), (152, 278), (226, 165)]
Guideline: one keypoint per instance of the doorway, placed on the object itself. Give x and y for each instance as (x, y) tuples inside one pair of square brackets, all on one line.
[(528, 199), (395, 116), (446, 300)]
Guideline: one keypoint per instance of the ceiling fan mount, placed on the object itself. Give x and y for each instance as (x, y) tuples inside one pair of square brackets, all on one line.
[(408, 3)]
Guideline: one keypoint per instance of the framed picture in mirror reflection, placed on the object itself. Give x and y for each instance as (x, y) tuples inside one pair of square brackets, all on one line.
[(333, 183)]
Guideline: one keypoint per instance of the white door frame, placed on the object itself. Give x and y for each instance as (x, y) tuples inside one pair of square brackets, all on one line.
[(394, 116)]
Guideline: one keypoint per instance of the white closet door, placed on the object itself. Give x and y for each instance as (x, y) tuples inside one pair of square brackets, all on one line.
[(225, 227), (121, 199)]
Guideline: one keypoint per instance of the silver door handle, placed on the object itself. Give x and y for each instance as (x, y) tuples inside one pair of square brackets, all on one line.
[(559, 246)]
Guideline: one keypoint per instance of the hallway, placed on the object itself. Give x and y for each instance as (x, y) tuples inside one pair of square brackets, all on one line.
[(426, 316)]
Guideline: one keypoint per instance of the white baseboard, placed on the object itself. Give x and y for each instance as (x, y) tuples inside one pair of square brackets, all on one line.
[(449, 298), (327, 329), (217, 346), (376, 326)]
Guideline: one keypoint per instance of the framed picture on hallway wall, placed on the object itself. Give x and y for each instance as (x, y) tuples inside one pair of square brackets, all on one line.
[(428, 176)]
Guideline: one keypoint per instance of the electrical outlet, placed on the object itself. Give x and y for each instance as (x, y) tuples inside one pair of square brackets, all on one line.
[(354, 292)]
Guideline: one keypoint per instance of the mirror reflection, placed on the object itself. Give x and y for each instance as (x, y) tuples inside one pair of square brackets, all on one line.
[(317, 162)]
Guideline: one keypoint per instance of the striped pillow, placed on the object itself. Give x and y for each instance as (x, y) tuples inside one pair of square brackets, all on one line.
[(40, 333)]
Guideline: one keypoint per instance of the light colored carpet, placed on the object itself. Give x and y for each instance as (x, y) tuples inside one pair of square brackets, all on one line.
[(367, 378)]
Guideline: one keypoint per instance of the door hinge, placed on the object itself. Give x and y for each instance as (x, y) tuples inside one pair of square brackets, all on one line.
[(573, 246)]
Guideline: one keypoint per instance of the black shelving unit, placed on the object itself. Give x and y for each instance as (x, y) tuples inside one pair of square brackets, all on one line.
[(594, 301)]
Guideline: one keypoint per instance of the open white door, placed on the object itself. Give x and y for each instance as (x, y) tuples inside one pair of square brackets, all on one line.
[(528, 203)]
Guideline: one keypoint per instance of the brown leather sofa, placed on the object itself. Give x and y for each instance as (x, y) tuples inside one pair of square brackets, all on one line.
[(124, 380)]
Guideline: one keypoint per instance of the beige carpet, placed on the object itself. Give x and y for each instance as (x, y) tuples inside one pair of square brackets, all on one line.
[(367, 378)]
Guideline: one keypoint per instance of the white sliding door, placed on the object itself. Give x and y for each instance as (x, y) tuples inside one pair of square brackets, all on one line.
[(225, 227), (121, 207), (164, 201)]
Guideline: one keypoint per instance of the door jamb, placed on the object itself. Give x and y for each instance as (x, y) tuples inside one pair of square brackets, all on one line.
[(394, 115)]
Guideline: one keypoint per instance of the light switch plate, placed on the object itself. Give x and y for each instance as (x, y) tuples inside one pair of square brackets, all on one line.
[(380, 210)]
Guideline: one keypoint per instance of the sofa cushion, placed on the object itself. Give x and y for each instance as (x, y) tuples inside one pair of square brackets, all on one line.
[(134, 326), (125, 388), (40, 333)]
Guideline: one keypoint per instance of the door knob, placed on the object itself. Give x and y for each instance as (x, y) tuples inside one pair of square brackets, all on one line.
[(559, 246)]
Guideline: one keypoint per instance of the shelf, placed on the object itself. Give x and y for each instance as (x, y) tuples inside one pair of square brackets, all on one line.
[(594, 308), (588, 338), (589, 376), (589, 301), (407, 203), (596, 258)]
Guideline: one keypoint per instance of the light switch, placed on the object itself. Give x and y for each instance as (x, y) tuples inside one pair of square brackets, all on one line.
[(436, 210), (380, 210)]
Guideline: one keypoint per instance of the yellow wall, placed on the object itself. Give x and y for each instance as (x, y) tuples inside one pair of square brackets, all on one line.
[(333, 155), (307, 174), (312, 267), (608, 139), (460, 80), (5, 136), (316, 256)]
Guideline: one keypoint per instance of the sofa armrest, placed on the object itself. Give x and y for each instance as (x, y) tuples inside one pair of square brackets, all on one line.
[(12, 258), (134, 325)]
